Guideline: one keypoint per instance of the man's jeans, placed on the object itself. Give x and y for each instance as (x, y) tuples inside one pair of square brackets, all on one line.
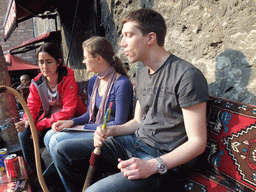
[(72, 161)]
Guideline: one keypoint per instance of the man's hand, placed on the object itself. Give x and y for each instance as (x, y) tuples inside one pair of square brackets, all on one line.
[(59, 125), (136, 168), (100, 136)]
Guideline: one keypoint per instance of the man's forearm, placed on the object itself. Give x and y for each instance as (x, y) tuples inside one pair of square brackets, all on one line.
[(129, 127), (124, 129), (183, 154)]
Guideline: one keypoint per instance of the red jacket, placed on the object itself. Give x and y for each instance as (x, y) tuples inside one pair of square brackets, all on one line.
[(68, 97)]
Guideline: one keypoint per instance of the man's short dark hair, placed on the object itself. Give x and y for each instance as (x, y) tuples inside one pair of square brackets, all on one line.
[(148, 21)]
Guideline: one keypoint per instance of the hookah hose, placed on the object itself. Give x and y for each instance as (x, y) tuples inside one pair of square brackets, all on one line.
[(33, 130), (95, 156)]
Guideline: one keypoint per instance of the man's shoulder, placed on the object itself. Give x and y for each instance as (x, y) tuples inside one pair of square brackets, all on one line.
[(175, 61), (179, 66)]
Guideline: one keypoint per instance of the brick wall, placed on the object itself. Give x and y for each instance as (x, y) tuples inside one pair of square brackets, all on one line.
[(23, 33)]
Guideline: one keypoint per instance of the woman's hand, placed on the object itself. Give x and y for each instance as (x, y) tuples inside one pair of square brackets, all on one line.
[(21, 125), (136, 168), (59, 125)]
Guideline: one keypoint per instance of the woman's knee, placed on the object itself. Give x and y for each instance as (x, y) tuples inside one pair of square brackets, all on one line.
[(48, 137)]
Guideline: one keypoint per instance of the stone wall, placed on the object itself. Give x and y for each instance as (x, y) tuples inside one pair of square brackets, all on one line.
[(218, 37)]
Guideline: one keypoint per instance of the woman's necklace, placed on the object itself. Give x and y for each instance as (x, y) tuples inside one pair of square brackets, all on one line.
[(50, 85), (100, 87)]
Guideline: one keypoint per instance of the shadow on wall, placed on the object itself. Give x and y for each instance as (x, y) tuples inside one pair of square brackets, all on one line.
[(147, 4), (232, 75)]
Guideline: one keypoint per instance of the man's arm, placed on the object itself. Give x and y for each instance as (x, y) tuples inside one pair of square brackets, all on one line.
[(115, 130), (130, 126), (195, 125)]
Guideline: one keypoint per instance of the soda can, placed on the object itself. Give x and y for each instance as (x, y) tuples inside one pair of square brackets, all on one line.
[(3, 153), (12, 166)]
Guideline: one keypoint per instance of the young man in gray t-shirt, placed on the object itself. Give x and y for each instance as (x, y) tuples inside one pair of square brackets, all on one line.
[(168, 130)]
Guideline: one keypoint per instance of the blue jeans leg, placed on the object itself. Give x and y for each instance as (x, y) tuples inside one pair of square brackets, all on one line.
[(118, 182), (71, 159), (27, 147), (47, 138), (132, 147), (51, 138)]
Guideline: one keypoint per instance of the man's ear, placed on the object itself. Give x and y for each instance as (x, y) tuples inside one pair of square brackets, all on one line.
[(151, 38), (99, 58)]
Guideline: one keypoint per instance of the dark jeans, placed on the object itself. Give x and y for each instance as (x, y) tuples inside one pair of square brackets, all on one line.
[(71, 159), (27, 147)]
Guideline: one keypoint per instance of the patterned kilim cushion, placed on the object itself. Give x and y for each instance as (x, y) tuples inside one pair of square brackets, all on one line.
[(199, 183), (229, 162)]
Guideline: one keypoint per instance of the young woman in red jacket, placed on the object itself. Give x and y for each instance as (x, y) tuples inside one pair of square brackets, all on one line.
[(54, 90)]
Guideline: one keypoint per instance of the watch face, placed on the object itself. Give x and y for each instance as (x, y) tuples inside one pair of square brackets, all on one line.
[(162, 169)]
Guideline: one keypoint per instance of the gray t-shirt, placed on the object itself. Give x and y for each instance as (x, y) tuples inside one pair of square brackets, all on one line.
[(176, 84)]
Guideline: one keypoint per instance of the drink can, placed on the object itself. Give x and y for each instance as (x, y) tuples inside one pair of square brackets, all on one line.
[(3, 153), (12, 166)]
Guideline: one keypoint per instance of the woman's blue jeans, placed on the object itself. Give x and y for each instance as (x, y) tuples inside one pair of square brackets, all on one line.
[(51, 138), (72, 161)]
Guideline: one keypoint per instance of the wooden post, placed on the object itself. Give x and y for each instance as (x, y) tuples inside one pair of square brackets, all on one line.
[(8, 111)]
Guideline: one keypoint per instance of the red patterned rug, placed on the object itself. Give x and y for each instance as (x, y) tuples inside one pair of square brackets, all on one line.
[(229, 162)]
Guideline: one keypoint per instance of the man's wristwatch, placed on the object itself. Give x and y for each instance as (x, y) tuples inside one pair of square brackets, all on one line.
[(161, 167)]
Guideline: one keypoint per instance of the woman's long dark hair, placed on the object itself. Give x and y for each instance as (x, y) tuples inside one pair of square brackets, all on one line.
[(97, 45)]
